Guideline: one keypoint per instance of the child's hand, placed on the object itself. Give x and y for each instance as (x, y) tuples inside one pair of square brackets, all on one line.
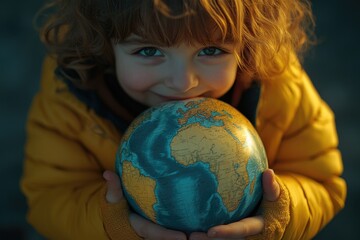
[(247, 226), (144, 228), (151, 231), (114, 191)]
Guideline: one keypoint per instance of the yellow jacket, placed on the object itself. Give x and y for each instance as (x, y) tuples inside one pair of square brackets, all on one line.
[(69, 146)]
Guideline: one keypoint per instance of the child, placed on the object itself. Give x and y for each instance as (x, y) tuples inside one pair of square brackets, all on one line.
[(111, 59)]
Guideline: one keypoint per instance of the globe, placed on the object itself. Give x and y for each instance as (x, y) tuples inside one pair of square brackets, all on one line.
[(192, 164)]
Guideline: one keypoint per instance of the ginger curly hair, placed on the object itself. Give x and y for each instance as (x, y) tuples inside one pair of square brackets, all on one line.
[(79, 33)]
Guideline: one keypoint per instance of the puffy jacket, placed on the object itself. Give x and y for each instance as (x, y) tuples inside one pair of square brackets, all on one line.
[(69, 146)]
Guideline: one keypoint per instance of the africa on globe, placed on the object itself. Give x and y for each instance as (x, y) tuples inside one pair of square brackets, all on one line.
[(192, 164)]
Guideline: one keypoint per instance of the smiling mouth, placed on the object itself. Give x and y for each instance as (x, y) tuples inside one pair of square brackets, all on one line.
[(176, 98), (180, 97)]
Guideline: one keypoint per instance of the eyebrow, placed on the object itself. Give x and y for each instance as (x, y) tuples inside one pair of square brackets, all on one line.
[(135, 41)]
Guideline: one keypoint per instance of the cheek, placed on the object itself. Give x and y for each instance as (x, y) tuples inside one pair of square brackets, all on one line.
[(133, 78), (223, 78)]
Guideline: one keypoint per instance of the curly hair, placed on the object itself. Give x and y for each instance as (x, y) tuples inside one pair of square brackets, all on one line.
[(79, 33)]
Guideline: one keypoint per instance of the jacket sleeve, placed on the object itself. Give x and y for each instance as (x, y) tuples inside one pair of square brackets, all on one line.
[(62, 178), (299, 134)]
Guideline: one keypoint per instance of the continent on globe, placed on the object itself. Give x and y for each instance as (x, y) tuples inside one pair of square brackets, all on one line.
[(192, 164)]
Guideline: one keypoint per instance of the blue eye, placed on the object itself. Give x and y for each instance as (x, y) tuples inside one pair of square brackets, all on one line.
[(149, 52), (211, 51)]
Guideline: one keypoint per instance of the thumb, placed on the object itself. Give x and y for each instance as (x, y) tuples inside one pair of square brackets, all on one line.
[(114, 191), (271, 187)]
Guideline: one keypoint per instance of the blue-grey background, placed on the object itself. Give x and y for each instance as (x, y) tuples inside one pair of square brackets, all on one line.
[(333, 66)]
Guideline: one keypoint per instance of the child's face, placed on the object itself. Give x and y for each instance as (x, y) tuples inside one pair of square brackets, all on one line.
[(151, 74)]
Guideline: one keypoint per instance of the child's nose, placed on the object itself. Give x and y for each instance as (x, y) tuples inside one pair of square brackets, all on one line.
[(183, 79)]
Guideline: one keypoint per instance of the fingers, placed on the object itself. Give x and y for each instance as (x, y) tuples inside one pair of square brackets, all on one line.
[(151, 231), (199, 236), (271, 187), (237, 230), (114, 192)]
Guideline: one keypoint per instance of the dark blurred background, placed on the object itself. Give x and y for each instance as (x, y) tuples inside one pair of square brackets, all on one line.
[(333, 66)]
